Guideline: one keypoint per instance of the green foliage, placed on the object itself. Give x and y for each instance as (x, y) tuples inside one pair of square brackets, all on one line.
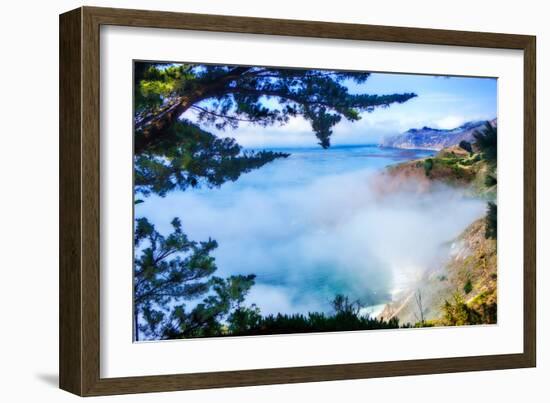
[(490, 180), (468, 287), (426, 323), (190, 157), (479, 311), (345, 317), (155, 83), (170, 271), (486, 141), (176, 294), (491, 221), (466, 145), (485, 304), (226, 95), (428, 166), (244, 320), (171, 153), (342, 305), (467, 162), (457, 313)]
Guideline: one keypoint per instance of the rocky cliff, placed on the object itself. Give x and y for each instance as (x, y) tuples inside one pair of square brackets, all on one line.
[(460, 288), (451, 166), (428, 138)]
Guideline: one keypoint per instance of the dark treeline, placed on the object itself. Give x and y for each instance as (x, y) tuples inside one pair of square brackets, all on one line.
[(345, 316), (486, 141), (311, 323), (486, 144)]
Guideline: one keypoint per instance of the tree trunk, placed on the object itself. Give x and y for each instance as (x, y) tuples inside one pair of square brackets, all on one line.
[(156, 128), (152, 131)]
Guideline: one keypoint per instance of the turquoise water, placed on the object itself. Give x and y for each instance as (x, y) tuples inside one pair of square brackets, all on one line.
[(305, 165), (311, 226)]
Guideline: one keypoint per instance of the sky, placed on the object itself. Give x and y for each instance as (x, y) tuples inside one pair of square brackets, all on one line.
[(442, 102)]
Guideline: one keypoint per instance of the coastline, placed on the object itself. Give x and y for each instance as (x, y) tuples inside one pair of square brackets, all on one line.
[(457, 276)]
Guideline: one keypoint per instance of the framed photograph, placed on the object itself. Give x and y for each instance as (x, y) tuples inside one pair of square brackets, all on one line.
[(249, 201)]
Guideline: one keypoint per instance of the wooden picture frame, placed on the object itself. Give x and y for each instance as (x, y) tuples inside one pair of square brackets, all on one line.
[(79, 346)]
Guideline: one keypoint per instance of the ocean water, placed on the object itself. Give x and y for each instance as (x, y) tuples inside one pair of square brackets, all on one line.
[(312, 226)]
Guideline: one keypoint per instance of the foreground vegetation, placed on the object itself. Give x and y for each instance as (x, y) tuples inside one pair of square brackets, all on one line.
[(345, 316), (176, 291), (177, 295)]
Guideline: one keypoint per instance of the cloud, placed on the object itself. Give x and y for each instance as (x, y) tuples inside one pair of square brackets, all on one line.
[(444, 110), (450, 122), (309, 234), (297, 132)]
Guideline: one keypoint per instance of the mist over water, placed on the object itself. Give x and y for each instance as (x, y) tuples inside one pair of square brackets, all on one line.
[(313, 225)]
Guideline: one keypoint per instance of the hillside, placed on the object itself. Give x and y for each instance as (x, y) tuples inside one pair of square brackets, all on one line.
[(451, 166), (428, 138), (460, 288)]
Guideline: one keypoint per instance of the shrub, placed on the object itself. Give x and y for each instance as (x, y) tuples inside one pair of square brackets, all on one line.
[(468, 287), (485, 305), (346, 316), (491, 221), (466, 145), (428, 166), (490, 180), (457, 313), (486, 140)]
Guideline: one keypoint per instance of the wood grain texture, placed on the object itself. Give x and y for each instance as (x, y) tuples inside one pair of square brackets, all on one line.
[(90, 202), (80, 196), (314, 29), (163, 383), (70, 274), (530, 203)]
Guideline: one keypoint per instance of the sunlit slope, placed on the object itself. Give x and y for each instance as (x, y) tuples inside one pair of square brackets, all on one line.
[(461, 287)]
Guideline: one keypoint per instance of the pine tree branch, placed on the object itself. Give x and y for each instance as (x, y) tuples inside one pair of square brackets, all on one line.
[(229, 117)]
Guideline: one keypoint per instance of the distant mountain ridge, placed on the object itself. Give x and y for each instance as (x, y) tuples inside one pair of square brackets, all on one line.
[(428, 138)]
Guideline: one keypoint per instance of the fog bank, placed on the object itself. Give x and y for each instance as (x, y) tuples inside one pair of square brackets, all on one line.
[(312, 226)]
